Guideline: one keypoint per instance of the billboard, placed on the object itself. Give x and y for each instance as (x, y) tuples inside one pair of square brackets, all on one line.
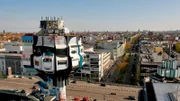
[(60, 42), (48, 41)]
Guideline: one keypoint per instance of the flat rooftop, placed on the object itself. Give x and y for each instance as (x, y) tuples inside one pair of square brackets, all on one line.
[(10, 54), (161, 91)]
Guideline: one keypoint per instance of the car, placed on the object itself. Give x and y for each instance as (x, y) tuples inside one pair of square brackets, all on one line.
[(74, 81), (113, 93), (103, 84), (89, 81), (132, 98)]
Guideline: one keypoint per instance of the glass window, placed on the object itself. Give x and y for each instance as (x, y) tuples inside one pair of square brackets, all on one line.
[(61, 52), (62, 62), (74, 46), (73, 52), (47, 60), (36, 63), (94, 62)]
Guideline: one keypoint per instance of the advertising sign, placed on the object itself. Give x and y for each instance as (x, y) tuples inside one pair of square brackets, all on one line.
[(48, 41)]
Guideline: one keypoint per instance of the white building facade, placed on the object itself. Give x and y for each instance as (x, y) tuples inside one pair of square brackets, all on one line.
[(13, 47), (96, 65)]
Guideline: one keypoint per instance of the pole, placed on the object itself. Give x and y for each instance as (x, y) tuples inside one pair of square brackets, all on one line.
[(60, 89), (15, 67)]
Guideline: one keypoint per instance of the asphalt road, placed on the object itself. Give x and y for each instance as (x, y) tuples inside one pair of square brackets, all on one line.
[(80, 89), (101, 93)]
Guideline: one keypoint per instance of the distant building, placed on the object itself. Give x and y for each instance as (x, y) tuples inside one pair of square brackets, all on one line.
[(28, 40), (116, 48), (169, 69), (13, 47)]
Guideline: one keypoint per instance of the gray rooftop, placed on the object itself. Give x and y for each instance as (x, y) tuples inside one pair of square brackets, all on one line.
[(162, 89)]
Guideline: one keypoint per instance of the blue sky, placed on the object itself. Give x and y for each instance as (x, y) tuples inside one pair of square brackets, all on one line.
[(92, 15)]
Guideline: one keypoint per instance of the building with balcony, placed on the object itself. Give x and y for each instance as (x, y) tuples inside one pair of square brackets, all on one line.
[(96, 65)]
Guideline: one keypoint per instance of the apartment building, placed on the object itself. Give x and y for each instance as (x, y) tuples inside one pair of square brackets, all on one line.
[(96, 65), (11, 60), (116, 48), (13, 47), (28, 40)]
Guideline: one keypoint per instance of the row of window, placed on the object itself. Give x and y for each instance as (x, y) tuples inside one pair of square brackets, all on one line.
[(27, 59), (27, 41), (94, 62), (94, 59)]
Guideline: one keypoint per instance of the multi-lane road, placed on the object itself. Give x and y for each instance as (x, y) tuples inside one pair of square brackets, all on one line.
[(79, 89)]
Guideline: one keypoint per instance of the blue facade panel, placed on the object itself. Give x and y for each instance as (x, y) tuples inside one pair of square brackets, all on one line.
[(27, 38)]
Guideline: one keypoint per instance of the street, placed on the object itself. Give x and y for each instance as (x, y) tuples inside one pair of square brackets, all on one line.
[(79, 89)]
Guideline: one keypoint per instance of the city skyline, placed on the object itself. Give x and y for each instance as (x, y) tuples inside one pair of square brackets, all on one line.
[(80, 15)]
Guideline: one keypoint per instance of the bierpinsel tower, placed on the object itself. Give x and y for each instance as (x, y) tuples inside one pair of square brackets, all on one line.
[(57, 53)]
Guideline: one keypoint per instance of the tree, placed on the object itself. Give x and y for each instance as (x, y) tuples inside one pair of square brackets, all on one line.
[(177, 47), (1, 75), (127, 46)]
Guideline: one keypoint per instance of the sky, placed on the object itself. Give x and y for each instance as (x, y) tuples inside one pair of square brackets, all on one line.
[(91, 15)]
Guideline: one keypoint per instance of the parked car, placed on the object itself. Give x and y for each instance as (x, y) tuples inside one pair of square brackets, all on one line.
[(113, 93), (132, 98), (103, 84), (74, 81)]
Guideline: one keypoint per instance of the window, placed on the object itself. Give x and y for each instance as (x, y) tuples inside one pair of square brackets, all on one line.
[(93, 66), (73, 51), (47, 60), (62, 52), (95, 59), (94, 62), (62, 62), (36, 63), (86, 65), (74, 46)]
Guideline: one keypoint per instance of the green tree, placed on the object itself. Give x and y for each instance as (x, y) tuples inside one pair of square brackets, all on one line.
[(1, 75), (177, 47)]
